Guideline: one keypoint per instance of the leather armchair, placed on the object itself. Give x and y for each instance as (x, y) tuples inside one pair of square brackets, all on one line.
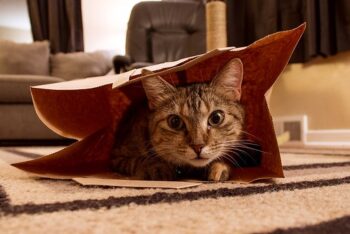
[(161, 32)]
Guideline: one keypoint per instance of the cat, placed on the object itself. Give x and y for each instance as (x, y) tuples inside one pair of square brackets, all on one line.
[(194, 126)]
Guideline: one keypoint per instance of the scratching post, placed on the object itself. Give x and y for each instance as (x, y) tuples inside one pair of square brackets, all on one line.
[(216, 24)]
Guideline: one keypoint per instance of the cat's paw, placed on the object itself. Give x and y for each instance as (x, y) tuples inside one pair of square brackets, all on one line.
[(159, 171), (219, 171)]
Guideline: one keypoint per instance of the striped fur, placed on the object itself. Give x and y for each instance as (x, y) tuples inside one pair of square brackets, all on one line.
[(154, 149)]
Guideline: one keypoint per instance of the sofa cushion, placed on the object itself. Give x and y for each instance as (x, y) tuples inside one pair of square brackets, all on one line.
[(80, 65), (16, 88), (20, 122), (24, 58)]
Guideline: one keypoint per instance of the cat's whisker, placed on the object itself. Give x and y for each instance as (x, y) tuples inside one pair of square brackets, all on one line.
[(222, 158), (235, 151), (232, 149), (247, 144), (254, 149), (247, 155), (245, 147), (242, 144), (249, 134), (243, 141), (230, 159)]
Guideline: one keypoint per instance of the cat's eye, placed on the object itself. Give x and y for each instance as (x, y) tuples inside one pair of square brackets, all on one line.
[(216, 118), (175, 122)]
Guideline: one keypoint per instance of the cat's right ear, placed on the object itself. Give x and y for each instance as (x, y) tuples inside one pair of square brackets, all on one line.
[(230, 78), (157, 89)]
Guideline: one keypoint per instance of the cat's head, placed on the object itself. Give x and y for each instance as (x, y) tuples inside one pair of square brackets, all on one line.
[(198, 123)]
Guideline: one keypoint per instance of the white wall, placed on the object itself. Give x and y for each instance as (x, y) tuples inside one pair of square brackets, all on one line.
[(105, 23), (14, 21)]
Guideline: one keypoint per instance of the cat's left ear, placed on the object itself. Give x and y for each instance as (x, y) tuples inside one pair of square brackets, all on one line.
[(230, 78), (157, 89)]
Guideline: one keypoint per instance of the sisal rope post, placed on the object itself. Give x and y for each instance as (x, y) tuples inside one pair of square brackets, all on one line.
[(216, 24)]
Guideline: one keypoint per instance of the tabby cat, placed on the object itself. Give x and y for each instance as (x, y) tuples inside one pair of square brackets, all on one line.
[(194, 126)]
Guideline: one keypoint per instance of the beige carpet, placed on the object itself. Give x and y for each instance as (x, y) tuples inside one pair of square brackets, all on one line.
[(313, 198)]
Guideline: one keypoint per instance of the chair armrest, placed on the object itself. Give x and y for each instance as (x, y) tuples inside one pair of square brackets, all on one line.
[(121, 62), (140, 65)]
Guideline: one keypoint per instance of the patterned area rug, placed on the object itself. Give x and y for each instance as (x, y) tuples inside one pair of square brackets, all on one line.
[(313, 198)]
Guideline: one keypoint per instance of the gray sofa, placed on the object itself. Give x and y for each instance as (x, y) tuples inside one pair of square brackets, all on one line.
[(18, 120), (25, 65)]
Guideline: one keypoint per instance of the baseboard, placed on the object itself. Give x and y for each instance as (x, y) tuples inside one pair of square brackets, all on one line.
[(336, 138), (318, 149)]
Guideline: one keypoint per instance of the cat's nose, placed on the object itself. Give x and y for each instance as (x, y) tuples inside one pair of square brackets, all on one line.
[(197, 148)]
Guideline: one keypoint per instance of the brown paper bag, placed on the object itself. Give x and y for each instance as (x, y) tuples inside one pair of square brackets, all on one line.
[(91, 110)]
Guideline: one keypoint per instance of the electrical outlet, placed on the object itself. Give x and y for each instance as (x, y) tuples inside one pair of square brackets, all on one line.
[(295, 125)]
